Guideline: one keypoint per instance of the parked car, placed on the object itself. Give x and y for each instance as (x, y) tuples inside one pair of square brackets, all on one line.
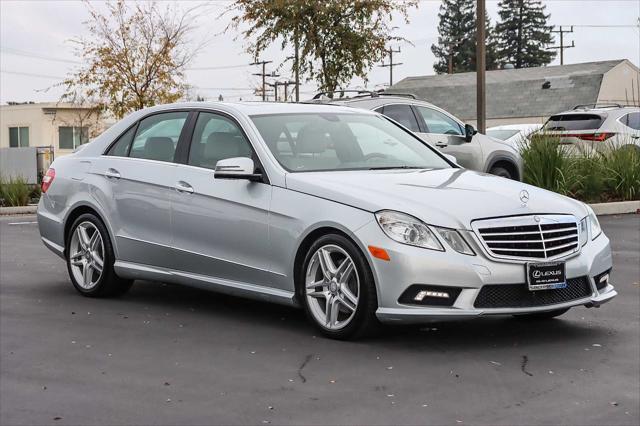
[(338, 210), (596, 126), (516, 135), (437, 127)]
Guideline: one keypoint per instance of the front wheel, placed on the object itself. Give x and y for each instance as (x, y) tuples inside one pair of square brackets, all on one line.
[(337, 290), (90, 259)]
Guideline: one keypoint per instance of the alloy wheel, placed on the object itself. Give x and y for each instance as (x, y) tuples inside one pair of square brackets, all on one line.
[(332, 287), (86, 255)]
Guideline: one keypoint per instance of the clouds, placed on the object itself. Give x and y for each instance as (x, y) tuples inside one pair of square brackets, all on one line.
[(45, 28)]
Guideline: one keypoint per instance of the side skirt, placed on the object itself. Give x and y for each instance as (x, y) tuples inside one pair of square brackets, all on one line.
[(139, 271)]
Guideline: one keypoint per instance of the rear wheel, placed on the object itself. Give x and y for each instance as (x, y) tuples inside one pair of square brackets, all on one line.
[(337, 290), (542, 315), (90, 259), (501, 171)]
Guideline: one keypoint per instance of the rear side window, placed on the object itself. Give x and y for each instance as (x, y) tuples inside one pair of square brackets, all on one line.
[(574, 122), (157, 136), (121, 147), (632, 120), (403, 115)]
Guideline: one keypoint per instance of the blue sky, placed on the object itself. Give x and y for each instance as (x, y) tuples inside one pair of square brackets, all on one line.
[(34, 32)]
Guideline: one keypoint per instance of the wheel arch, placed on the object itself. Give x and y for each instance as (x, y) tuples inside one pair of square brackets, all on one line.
[(505, 161), (78, 210), (312, 235)]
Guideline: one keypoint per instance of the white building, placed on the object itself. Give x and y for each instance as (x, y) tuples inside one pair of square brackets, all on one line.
[(62, 126)]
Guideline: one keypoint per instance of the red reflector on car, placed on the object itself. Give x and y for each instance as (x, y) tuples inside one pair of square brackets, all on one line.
[(47, 180), (597, 137)]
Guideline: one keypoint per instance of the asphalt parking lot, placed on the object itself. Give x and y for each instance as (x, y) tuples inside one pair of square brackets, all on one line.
[(166, 354)]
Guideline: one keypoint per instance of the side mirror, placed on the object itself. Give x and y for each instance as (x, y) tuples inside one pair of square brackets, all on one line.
[(451, 158), (237, 168), (469, 131)]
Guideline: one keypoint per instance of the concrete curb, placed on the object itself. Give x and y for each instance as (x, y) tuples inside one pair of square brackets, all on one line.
[(619, 207), (6, 211)]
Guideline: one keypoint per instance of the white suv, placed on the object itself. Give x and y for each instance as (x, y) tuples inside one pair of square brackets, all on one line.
[(593, 126), (437, 127)]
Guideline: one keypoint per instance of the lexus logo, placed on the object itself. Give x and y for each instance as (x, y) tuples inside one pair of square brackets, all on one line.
[(524, 196)]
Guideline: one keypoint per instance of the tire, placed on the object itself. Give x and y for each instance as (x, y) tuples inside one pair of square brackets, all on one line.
[(353, 289), (501, 172), (87, 244), (542, 315)]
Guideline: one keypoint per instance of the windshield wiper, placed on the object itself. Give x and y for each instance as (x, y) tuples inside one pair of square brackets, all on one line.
[(396, 167)]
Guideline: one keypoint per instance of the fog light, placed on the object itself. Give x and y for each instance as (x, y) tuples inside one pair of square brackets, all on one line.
[(426, 293), (604, 279)]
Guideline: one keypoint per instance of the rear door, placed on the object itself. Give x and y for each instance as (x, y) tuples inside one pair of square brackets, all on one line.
[(140, 175), (449, 136), (220, 226)]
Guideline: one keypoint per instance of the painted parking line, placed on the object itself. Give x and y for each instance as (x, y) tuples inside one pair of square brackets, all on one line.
[(22, 223)]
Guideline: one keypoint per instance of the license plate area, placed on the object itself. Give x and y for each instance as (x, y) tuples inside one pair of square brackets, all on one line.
[(546, 276)]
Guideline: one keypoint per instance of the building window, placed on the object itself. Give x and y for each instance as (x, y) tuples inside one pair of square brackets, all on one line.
[(72, 137), (18, 137)]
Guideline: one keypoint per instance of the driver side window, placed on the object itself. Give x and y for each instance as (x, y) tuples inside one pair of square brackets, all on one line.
[(216, 138), (439, 123)]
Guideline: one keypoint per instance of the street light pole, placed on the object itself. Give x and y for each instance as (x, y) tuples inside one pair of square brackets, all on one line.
[(481, 102)]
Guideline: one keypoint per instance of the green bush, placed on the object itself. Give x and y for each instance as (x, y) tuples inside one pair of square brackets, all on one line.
[(14, 191), (605, 174)]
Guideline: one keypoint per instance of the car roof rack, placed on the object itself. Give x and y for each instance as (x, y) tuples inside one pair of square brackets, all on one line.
[(597, 105), (360, 94)]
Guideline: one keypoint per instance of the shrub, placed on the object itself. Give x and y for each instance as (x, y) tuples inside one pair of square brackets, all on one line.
[(545, 164), (623, 173), (14, 191)]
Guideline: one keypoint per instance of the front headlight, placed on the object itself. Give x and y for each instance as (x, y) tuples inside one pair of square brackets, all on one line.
[(594, 225), (406, 229), (584, 230), (455, 241)]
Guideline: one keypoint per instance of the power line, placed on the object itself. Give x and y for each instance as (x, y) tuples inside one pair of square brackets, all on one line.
[(28, 74), (19, 52)]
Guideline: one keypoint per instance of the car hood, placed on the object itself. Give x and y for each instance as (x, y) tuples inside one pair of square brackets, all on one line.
[(445, 197)]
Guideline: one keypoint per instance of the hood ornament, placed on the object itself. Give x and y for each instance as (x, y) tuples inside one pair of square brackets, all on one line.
[(524, 197)]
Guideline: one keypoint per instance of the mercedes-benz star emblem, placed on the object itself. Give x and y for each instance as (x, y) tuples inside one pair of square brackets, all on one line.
[(524, 196)]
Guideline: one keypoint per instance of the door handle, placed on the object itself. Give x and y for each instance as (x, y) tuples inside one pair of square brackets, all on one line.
[(183, 186), (112, 173), (441, 144)]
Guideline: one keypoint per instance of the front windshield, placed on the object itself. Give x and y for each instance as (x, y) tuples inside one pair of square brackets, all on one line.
[(343, 141)]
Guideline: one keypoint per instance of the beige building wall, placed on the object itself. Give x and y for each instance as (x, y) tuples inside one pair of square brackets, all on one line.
[(620, 85), (43, 121)]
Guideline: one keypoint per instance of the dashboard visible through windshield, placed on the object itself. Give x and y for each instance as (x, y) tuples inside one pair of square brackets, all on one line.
[(343, 141)]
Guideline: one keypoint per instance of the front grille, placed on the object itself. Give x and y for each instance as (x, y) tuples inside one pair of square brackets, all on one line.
[(519, 295), (529, 237)]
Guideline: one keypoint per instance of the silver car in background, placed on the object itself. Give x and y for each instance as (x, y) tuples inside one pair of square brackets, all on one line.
[(338, 210), (472, 150)]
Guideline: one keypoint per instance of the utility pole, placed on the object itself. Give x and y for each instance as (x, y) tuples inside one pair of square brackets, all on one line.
[(264, 75), (481, 66), (286, 88), (391, 64), (562, 46), (297, 66)]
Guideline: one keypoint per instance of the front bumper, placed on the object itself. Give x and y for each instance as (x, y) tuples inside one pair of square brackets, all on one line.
[(412, 265)]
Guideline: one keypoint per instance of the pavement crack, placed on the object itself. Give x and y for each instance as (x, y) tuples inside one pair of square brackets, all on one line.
[(523, 365), (302, 366)]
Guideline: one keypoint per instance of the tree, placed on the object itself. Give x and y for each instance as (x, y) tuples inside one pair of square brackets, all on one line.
[(524, 33), (456, 47), (134, 57), (336, 39)]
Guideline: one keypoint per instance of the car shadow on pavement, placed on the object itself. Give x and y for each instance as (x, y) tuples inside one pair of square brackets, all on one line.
[(251, 317)]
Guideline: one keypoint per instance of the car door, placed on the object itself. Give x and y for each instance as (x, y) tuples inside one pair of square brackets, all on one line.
[(139, 173), (220, 226), (448, 135)]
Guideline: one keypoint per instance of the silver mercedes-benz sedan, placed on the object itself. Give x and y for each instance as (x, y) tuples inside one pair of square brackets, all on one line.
[(341, 211)]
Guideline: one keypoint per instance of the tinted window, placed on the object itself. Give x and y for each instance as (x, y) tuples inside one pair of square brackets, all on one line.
[(503, 135), (439, 123), (632, 120), (157, 136), (216, 138), (403, 115), (321, 141), (574, 122), (121, 147)]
